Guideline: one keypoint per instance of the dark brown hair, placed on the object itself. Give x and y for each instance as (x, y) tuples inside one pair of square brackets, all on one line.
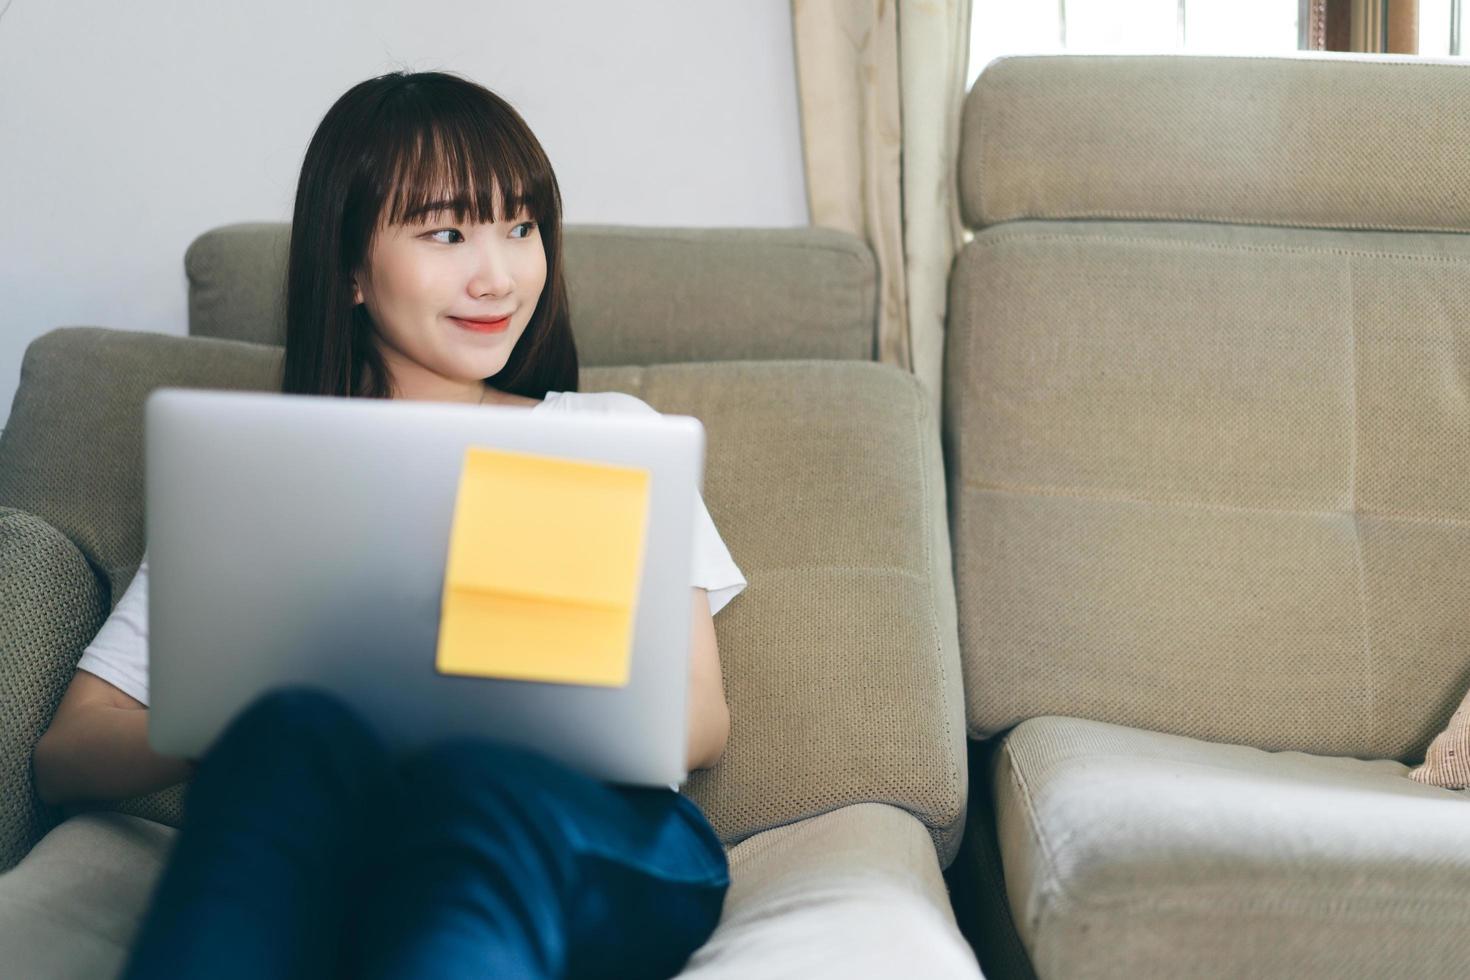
[(385, 151)]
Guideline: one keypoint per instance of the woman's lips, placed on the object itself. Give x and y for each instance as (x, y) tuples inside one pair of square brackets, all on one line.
[(482, 326)]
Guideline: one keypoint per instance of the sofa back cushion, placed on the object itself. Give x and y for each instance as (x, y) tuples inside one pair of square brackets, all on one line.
[(72, 450), (1336, 142), (841, 659), (1212, 479), (638, 295)]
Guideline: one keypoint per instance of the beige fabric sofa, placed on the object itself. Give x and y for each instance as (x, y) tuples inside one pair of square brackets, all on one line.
[(1205, 426), (842, 793), (1207, 419)]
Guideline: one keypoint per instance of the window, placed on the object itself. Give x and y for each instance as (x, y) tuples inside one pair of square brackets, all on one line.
[(1441, 28), (1258, 27)]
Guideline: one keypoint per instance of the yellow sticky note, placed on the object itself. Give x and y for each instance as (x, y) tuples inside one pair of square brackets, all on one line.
[(545, 558)]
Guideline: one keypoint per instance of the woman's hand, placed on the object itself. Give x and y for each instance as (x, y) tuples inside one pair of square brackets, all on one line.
[(96, 748)]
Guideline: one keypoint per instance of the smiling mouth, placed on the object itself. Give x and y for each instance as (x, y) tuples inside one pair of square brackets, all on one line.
[(482, 326)]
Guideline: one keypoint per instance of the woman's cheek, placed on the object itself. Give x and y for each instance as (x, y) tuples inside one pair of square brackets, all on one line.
[(536, 278)]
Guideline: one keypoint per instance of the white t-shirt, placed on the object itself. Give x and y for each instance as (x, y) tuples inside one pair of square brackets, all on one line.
[(119, 652)]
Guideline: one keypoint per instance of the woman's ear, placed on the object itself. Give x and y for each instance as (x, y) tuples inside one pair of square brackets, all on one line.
[(356, 292)]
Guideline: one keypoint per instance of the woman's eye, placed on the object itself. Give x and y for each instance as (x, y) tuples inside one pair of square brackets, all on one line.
[(446, 236), (524, 228)]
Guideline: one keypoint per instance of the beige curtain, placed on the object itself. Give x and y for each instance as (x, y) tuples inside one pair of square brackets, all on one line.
[(934, 51), (880, 87), (847, 75)]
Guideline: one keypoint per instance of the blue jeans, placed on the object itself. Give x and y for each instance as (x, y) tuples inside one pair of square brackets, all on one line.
[(308, 852)]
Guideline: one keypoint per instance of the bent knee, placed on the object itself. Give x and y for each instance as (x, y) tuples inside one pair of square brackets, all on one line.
[(302, 719), (488, 765)]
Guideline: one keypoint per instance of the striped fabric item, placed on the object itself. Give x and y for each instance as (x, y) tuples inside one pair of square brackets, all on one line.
[(1447, 763)]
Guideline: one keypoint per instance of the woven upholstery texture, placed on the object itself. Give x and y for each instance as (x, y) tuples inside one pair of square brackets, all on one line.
[(1329, 142), (1213, 481), (638, 295), (50, 606), (841, 658), (165, 806), (1137, 854), (852, 893), (72, 450)]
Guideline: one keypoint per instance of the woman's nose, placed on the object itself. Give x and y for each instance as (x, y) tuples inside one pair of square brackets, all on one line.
[(492, 276)]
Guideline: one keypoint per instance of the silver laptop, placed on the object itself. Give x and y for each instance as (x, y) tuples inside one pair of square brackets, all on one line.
[(300, 540)]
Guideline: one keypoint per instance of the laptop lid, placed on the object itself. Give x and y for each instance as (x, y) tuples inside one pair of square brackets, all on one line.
[(303, 540)]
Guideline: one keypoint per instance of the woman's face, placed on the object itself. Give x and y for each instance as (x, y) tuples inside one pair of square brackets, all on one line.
[(449, 299)]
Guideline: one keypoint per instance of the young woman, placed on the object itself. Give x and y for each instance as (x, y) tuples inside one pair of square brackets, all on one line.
[(425, 263)]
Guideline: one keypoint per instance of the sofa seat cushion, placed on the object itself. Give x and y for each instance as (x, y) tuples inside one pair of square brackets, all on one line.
[(1134, 854), (71, 907), (853, 893)]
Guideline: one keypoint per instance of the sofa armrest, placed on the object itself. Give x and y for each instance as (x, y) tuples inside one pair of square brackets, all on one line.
[(856, 891), (51, 605), (841, 658)]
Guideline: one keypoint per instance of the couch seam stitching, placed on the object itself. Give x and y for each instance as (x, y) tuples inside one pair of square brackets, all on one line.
[(1083, 493), (865, 569), (1200, 218), (1370, 719), (918, 417), (1012, 238), (1306, 903)]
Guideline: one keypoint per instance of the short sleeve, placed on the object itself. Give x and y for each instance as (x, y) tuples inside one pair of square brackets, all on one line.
[(119, 652), (713, 568)]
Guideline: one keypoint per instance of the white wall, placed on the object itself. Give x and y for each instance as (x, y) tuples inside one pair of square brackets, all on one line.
[(128, 129)]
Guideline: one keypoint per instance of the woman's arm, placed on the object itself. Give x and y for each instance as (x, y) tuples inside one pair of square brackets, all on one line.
[(97, 747), (709, 715)]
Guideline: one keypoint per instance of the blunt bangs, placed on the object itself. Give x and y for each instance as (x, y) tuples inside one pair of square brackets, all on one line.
[(443, 147)]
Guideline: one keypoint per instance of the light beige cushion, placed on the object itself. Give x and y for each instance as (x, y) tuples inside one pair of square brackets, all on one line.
[(1447, 762), (1136, 854), (824, 478), (855, 893), (70, 909), (638, 295), (1311, 141), (1213, 480)]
